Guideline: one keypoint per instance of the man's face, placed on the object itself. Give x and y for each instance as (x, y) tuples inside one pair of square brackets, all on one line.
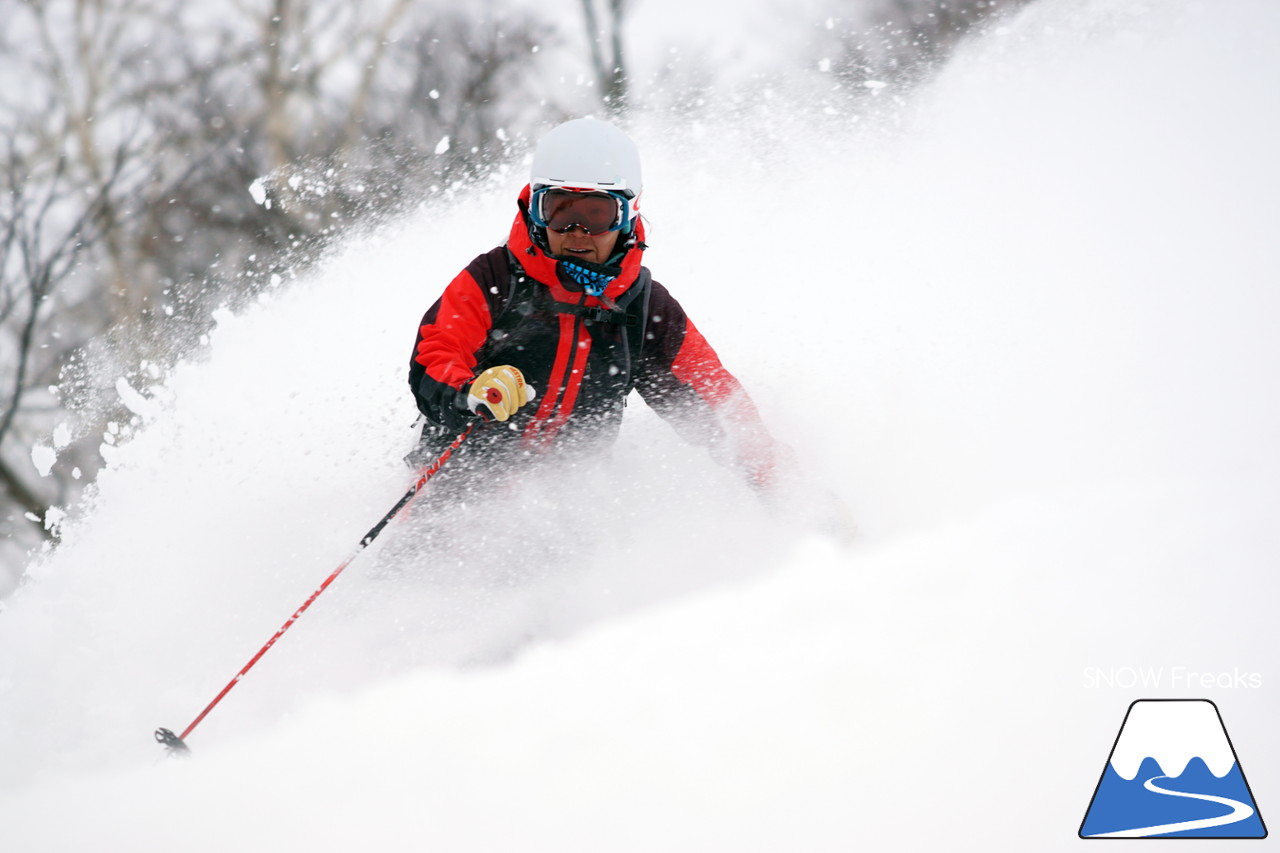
[(576, 243)]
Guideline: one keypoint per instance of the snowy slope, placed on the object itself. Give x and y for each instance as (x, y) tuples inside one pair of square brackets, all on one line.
[(1044, 381)]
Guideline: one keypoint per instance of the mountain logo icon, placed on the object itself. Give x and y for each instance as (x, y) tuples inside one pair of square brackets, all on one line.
[(1173, 773)]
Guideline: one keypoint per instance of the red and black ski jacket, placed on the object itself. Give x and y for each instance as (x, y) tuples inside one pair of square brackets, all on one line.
[(582, 354)]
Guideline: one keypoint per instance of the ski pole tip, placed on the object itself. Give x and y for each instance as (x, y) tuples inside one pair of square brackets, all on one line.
[(173, 744)]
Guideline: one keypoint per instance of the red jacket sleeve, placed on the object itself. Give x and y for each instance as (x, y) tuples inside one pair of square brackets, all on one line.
[(453, 331)]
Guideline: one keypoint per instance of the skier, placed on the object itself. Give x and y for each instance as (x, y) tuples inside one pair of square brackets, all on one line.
[(548, 334)]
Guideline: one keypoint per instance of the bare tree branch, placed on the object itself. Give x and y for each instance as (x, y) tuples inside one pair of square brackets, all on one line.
[(29, 501), (610, 71)]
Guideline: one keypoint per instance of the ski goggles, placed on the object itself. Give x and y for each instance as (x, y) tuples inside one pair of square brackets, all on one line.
[(595, 212)]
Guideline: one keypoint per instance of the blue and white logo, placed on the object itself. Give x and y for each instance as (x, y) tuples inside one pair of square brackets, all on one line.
[(1173, 773)]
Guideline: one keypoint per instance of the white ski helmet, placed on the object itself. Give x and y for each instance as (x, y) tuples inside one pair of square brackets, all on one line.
[(588, 154)]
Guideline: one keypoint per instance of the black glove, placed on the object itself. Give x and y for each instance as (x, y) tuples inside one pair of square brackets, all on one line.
[(443, 404)]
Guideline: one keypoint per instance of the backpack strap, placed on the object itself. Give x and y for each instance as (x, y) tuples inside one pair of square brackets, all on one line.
[(637, 307), (520, 291)]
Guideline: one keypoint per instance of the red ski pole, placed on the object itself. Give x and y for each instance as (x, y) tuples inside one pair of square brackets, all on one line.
[(175, 743)]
